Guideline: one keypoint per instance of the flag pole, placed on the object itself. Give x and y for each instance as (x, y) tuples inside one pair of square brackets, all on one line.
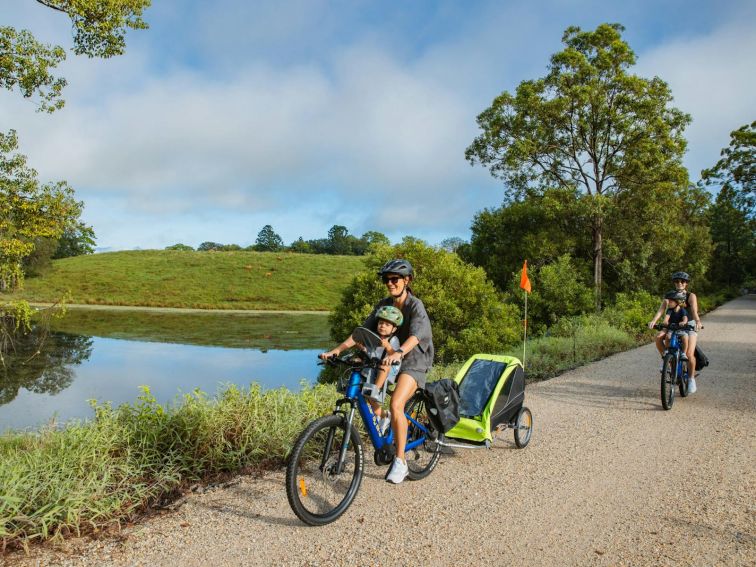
[(525, 337)]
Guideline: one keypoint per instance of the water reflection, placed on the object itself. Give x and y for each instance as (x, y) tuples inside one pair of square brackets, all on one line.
[(42, 363), (107, 356)]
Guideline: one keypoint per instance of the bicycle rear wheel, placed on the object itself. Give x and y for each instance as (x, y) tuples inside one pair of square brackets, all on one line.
[(683, 380), (422, 459), (317, 490), (668, 381), (523, 427)]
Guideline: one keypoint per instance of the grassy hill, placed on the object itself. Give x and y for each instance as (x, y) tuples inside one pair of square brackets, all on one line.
[(204, 280)]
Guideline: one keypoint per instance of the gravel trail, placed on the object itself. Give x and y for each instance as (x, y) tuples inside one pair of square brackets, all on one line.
[(609, 478)]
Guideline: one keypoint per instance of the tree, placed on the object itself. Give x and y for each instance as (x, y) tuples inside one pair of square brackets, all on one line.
[(209, 247), (338, 242), (300, 246), (588, 125), (180, 247), (451, 244), (28, 211), (737, 168), (99, 31), (268, 240), (77, 239), (733, 215), (374, 238), (734, 237)]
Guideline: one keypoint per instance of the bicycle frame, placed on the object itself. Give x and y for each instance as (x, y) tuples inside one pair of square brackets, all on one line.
[(353, 396), (675, 348)]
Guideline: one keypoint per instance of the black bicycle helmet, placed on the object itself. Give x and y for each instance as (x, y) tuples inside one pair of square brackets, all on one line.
[(397, 266), (678, 296), (681, 276)]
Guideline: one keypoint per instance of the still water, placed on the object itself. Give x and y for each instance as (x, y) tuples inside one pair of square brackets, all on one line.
[(108, 355)]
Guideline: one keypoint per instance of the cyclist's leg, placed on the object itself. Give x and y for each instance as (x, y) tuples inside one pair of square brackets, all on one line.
[(691, 352), (405, 388), (379, 380), (659, 340), (684, 341)]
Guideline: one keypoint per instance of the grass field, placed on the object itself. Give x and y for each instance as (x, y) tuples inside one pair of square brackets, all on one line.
[(204, 280)]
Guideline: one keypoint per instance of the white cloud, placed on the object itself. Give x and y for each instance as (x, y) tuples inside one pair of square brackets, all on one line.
[(712, 78)]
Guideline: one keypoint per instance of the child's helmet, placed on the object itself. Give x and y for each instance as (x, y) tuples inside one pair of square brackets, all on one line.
[(678, 296), (391, 314)]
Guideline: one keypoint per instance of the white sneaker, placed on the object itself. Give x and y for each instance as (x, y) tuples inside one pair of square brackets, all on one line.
[(398, 472), (692, 385), (384, 423)]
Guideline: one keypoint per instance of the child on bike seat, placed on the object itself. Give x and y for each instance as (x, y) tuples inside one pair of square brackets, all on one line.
[(389, 320), (676, 315)]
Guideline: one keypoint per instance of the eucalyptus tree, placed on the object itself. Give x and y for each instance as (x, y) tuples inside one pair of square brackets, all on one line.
[(589, 125)]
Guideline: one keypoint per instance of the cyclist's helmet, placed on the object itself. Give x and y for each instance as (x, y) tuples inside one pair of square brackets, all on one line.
[(678, 296), (397, 266), (681, 276), (391, 314)]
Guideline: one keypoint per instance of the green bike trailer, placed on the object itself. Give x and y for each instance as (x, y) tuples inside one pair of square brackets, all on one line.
[(492, 393)]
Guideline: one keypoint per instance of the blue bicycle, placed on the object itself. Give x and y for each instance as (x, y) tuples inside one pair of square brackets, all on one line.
[(325, 467), (674, 367)]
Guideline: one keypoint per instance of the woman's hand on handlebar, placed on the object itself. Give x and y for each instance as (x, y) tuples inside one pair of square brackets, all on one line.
[(330, 354), (394, 358)]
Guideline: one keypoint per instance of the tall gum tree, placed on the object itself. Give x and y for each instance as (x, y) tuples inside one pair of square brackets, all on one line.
[(588, 125)]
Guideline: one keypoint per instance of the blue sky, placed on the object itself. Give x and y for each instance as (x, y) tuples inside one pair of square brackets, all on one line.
[(225, 116)]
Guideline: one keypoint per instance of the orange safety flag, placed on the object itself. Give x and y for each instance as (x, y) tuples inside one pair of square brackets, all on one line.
[(524, 280)]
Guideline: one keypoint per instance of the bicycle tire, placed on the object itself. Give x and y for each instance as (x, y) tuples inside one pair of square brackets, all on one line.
[(524, 419), (317, 493), (668, 382), (684, 380), (422, 459)]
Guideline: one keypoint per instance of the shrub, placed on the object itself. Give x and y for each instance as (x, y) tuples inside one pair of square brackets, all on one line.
[(466, 312), (632, 311)]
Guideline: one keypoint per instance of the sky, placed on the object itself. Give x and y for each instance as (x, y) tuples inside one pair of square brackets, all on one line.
[(229, 115)]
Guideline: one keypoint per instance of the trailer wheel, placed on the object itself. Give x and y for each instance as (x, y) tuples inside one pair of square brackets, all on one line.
[(523, 427)]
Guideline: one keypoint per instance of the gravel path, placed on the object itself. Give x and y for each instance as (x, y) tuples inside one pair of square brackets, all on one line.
[(609, 478)]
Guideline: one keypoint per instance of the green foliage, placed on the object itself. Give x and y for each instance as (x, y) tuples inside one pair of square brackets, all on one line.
[(588, 125), (268, 240), (733, 215), (77, 239), (89, 475), (100, 27), (631, 312), (541, 228), (581, 340), (737, 168), (180, 247), (99, 31), (28, 211), (466, 312), (559, 291), (168, 278), (27, 65)]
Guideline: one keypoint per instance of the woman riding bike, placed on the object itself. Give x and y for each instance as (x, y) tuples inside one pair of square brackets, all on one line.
[(415, 353), (680, 281)]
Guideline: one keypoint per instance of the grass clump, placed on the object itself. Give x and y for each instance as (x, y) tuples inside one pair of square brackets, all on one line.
[(89, 475)]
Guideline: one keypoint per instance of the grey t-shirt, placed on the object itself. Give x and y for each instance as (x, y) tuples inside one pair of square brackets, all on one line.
[(417, 324)]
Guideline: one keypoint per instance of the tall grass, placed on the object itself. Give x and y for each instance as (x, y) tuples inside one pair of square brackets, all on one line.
[(92, 474)]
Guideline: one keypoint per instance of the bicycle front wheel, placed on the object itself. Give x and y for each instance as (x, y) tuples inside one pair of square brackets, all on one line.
[(422, 459), (320, 489), (668, 381)]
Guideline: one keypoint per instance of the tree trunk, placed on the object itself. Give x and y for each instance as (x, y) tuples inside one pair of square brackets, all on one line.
[(598, 226)]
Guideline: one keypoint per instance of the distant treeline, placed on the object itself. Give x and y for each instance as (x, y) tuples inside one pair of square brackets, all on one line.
[(338, 241)]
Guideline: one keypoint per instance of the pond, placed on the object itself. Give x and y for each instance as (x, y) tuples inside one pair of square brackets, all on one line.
[(106, 355)]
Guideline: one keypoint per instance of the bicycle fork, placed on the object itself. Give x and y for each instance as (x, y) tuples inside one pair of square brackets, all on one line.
[(340, 463)]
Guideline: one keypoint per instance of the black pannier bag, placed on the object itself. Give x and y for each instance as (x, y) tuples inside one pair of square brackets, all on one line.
[(702, 361), (442, 398)]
